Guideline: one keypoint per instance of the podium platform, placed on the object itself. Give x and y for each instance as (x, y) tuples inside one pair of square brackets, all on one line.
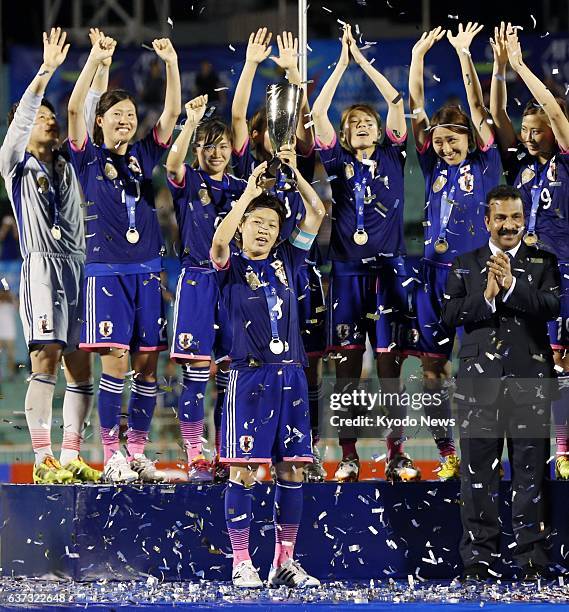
[(358, 531)]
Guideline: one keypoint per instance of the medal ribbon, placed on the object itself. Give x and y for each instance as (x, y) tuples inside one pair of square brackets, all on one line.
[(539, 179), (447, 202), (270, 289), (360, 183), (127, 179)]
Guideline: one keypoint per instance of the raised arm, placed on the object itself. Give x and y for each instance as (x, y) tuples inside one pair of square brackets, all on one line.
[(288, 61), (323, 127), (173, 99), (257, 51), (195, 110), (313, 206), (225, 231), (504, 129), (478, 112), (18, 134), (395, 106), (98, 86), (419, 117), (558, 120), (77, 130)]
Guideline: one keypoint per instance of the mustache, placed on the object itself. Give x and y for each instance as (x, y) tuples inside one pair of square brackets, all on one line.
[(508, 232)]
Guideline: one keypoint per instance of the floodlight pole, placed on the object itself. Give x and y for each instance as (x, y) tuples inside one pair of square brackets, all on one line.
[(302, 40)]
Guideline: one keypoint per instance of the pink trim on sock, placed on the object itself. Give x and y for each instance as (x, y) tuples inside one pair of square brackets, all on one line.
[(217, 441), (285, 540), (41, 438), (136, 441), (110, 441), (348, 448), (446, 447), (71, 441), (239, 544), (562, 439), (192, 432)]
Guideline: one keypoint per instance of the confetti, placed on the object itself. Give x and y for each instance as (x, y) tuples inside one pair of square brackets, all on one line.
[(324, 8)]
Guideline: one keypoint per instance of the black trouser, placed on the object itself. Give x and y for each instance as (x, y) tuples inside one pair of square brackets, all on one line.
[(482, 431)]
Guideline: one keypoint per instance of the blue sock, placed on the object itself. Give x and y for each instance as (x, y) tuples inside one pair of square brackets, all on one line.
[(109, 403), (287, 512), (238, 518), (191, 409), (140, 410)]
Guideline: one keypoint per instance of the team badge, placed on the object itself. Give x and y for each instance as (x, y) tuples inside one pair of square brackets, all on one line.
[(349, 170), (466, 182), (552, 171), (110, 171), (43, 183), (246, 443), (204, 196), (527, 175), (185, 340), (252, 279), (133, 165), (280, 271), (439, 183), (343, 331), (106, 328), (43, 325)]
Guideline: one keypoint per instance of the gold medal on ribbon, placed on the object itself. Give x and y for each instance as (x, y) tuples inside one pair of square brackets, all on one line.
[(110, 171), (252, 280), (530, 238), (204, 196), (440, 182), (441, 246), (349, 170), (43, 183), (360, 237)]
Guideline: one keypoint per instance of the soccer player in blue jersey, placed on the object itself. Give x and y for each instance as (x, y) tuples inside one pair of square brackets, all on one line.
[(367, 295), (265, 414), (202, 195), (124, 312), (460, 164), (542, 161), (46, 198), (252, 146)]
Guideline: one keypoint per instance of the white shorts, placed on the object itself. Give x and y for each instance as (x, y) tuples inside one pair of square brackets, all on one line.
[(51, 299)]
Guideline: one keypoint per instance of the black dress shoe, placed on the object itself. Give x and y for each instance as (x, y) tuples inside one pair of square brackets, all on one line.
[(532, 572), (475, 574)]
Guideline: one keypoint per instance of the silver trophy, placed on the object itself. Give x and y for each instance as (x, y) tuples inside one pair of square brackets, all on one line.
[(283, 106)]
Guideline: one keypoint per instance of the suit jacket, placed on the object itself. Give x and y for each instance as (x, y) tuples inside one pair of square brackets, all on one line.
[(513, 341)]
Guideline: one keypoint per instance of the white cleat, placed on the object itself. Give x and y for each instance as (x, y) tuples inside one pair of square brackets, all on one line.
[(348, 470), (245, 576), (291, 574), (118, 471), (146, 470)]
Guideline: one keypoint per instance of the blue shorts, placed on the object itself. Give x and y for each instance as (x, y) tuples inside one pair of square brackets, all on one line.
[(124, 312), (311, 310), (201, 326), (368, 299), (559, 329), (265, 416), (429, 336)]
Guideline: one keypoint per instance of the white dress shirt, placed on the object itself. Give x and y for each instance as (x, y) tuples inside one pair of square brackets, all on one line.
[(513, 252)]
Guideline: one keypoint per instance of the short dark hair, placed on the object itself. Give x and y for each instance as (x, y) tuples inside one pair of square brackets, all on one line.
[(501, 192), (211, 132), (107, 101), (268, 200), (44, 102), (456, 120), (533, 107)]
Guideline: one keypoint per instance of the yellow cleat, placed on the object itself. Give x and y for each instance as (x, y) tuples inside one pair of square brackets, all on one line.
[(562, 467), (83, 472), (449, 468), (49, 471)]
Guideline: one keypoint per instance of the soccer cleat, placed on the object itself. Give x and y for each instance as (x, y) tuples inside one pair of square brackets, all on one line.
[(201, 470), (291, 574), (246, 576), (348, 470), (146, 469), (49, 471), (82, 472), (562, 467), (220, 471), (118, 471), (401, 468), (315, 472), (449, 468)]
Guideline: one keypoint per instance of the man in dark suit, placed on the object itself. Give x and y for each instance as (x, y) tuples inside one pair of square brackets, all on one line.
[(504, 293)]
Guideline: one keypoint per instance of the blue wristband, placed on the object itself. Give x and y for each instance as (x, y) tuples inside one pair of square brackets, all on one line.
[(301, 239)]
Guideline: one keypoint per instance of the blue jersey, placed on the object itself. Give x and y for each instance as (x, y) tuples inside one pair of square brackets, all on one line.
[(199, 203), (551, 182), (244, 162), (379, 181), (244, 286), (109, 182), (464, 187)]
